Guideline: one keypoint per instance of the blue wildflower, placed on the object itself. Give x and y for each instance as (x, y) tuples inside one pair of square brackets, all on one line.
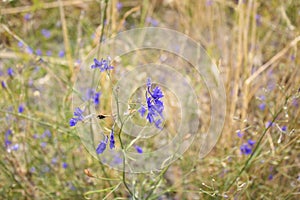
[(29, 50), (27, 16), (3, 84), (295, 103), (152, 21), (10, 71), (209, 2), (21, 109), (155, 106), (142, 110), (269, 124), (61, 53), (46, 33), (251, 142), (262, 106), (38, 52), (43, 144), (54, 160), (97, 98), (15, 147), (64, 165), (157, 93), (246, 149), (78, 113), (49, 53), (73, 121), (47, 133), (7, 142), (20, 44), (270, 177), (158, 123), (103, 65), (138, 149), (119, 6), (112, 139), (258, 19), (32, 169), (102, 146), (239, 134), (284, 128)]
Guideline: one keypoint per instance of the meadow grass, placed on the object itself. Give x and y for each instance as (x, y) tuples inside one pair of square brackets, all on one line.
[(254, 43)]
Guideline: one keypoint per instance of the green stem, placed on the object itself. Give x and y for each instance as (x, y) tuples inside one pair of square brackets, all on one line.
[(120, 139), (158, 181)]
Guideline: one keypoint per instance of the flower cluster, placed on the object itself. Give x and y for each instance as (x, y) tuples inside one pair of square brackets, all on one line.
[(155, 106), (78, 116), (246, 148), (138, 149), (8, 143), (95, 96), (102, 145), (103, 65)]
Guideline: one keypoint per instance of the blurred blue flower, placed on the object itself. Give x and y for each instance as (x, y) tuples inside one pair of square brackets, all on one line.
[(8, 133), (155, 106), (73, 121), (138, 149), (269, 124), (295, 103), (64, 165), (61, 53), (32, 169), (54, 160), (284, 128), (97, 98), (293, 57), (21, 108), (38, 52), (29, 50), (119, 6), (103, 65), (112, 139), (142, 110), (270, 177), (246, 149), (78, 113), (14, 147), (20, 44), (258, 19), (152, 21), (102, 146), (209, 2), (158, 123), (251, 142), (3, 84), (262, 97), (239, 134), (43, 144), (46, 33), (49, 53), (262, 106), (10, 71), (47, 133), (27, 16)]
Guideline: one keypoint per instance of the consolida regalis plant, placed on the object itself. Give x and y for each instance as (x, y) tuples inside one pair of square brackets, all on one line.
[(153, 110)]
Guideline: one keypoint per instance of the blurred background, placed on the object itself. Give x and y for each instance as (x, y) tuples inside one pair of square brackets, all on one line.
[(254, 44)]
